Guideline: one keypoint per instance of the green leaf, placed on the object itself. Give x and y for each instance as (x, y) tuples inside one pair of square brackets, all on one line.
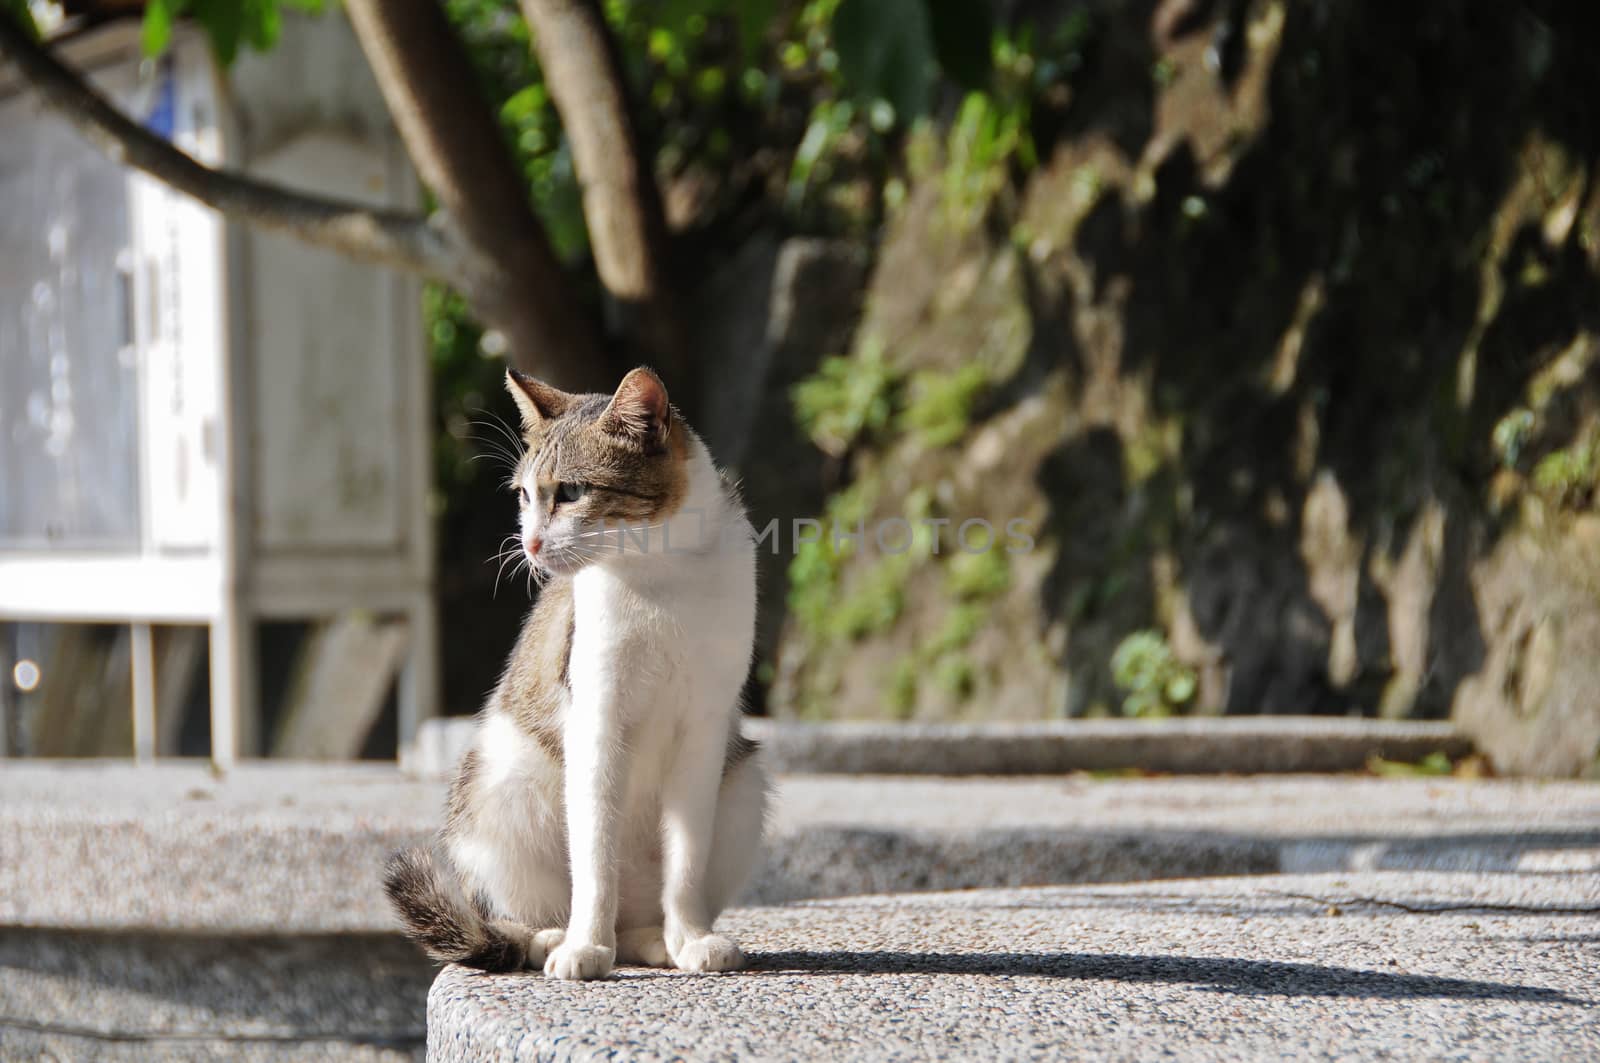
[(18, 10), (263, 23), (961, 31), (1180, 688), (156, 31), (886, 52), (755, 17), (224, 24)]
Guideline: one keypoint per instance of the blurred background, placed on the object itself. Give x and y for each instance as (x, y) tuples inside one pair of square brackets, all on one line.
[(1276, 324)]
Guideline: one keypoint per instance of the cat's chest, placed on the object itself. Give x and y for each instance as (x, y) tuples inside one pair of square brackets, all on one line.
[(680, 623)]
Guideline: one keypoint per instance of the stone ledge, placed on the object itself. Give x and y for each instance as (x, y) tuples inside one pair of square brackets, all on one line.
[(1234, 745), (1240, 745), (1220, 969)]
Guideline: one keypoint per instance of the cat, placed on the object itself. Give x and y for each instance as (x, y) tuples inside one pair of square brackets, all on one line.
[(609, 808)]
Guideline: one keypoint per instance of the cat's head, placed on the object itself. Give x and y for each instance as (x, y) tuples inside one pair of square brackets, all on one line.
[(601, 473)]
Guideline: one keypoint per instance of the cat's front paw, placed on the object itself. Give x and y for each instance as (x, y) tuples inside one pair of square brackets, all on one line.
[(709, 952), (575, 962)]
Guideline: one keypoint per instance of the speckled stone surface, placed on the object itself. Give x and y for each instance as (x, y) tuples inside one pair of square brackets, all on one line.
[(1392, 965), (298, 848)]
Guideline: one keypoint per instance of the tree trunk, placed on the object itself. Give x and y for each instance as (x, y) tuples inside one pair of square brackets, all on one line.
[(399, 239), (621, 204), (511, 276)]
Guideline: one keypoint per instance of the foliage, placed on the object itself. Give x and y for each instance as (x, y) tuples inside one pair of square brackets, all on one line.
[(874, 600), (1156, 683), (978, 575), (941, 404), (1435, 763), (229, 23), (1570, 476), (885, 50), (469, 452), (830, 605), (19, 11), (850, 400), (894, 51), (983, 139), (1511, 435), (815, 571), (847, 398)]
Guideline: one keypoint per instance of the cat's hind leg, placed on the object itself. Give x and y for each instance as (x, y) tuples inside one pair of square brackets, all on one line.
[(731, 847), (736, 843)]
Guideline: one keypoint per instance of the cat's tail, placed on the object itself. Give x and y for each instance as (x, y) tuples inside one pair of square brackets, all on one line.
[(449, 926)]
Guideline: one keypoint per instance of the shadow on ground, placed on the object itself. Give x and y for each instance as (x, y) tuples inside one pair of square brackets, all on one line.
[(1209, 974), (840, 862)]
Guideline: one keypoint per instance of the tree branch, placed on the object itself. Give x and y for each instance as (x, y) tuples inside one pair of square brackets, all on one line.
[(384, 237), (627, 227), (513, 279)]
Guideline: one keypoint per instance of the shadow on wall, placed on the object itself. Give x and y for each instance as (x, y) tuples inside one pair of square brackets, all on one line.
[(1315, 331)]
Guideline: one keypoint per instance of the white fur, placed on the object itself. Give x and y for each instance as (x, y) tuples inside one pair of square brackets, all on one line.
[(640, 836)]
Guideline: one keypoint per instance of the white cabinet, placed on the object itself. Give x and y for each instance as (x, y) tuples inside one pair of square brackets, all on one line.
[(201, 423)]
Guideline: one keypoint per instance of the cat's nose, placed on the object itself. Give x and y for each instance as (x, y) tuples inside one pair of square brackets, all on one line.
[(533, 544)]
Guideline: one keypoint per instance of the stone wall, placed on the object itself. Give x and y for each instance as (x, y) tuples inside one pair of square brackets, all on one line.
[(1288, 349)]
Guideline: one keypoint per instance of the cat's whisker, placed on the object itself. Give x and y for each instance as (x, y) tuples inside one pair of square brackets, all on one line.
[(507, 446), (497, 444), (494, 421), (629, 529)]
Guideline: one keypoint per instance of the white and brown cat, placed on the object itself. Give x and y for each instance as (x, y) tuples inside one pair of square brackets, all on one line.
[(609, 808)]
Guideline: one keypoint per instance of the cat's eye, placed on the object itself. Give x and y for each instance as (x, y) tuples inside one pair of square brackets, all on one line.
[(522, 495), (571, 492)]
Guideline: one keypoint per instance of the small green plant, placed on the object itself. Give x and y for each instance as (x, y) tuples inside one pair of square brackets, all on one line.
[(1511, 434), (960, 626), (979, 575), (986, 135), (875, 600), (956, 675), (902, 689), (941, 403), (818, 563), (1155, 682), (847, 398), (1435, 763), (1571, 475)]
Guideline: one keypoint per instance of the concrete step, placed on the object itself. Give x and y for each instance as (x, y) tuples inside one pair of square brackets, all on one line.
[(1393, 965), (118, 995), (282, 849)]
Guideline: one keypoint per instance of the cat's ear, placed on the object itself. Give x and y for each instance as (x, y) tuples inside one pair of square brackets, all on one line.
[(536, 401), (639, 408)]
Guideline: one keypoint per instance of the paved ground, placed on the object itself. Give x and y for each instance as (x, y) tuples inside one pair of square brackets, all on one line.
[(164, 913), (1368, 965), (297, 848)]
